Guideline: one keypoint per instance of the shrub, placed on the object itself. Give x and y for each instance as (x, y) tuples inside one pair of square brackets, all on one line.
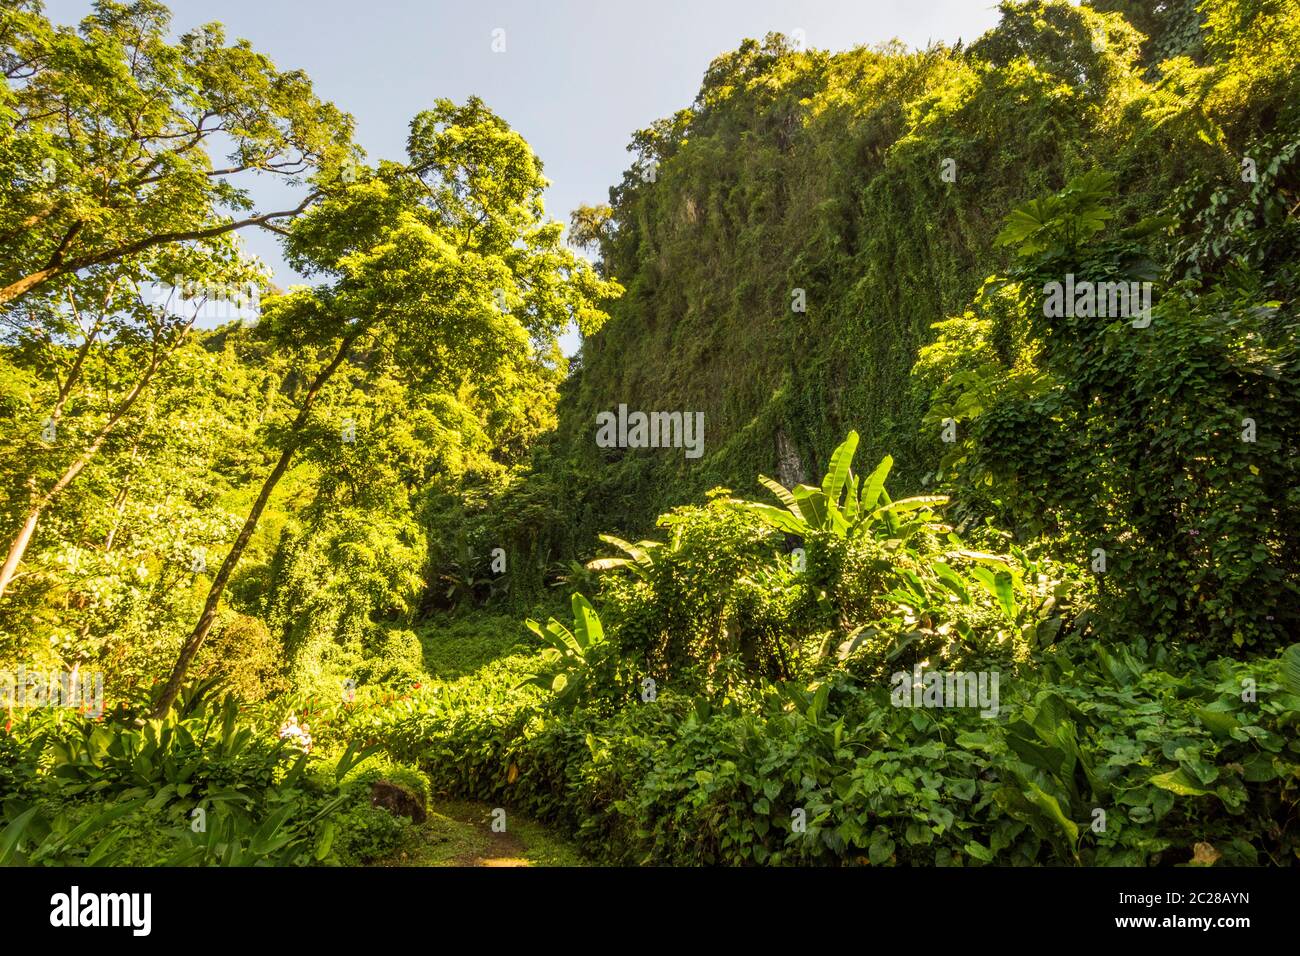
[(1183, 767), (249, 662), (1161, 456), (395, 656), (714, 590)]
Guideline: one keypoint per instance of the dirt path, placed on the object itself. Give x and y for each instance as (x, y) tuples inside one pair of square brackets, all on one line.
[(461, 833)]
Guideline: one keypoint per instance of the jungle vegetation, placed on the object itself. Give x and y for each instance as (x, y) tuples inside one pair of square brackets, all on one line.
[(354, 550)]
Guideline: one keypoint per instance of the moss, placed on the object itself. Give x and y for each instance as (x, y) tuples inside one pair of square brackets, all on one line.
[(823, 172)]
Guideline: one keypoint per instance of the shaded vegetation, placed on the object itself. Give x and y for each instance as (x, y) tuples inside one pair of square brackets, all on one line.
[(965, 575)]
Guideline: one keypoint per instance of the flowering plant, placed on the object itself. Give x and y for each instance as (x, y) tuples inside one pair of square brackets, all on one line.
[(298, 736)]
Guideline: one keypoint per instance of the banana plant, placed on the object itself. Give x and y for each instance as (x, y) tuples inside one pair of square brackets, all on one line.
[(1023, 589), (640, 556), (844, 505), (569, 654)]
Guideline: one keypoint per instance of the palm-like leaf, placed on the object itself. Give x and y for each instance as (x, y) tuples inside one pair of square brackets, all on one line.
[(586, 622), (775, 517), (837, 474), (783, 493), (874, 484), (813, 505), (1291, 669), (637, 551)]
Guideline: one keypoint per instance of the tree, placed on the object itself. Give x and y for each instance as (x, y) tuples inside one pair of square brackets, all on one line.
[(105, 131), (444, 265), (590, 228), (120, 315)]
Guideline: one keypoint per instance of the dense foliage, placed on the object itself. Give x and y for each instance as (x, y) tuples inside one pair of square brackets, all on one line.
[(790, 240), (345, 550)]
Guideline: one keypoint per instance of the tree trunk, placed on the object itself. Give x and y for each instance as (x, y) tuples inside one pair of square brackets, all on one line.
[(17, 548), (209, 616)]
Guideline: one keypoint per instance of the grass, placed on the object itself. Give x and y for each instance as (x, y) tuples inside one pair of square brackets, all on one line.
[(461, 651), (459, 833)]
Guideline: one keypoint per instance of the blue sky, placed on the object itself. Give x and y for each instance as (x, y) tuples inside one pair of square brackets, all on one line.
[(577, 76)]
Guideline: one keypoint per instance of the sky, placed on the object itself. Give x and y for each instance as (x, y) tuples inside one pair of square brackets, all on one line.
[(576, 77)]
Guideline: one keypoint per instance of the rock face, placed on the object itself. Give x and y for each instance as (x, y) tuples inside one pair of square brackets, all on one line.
[(789, 469), (397, 800)]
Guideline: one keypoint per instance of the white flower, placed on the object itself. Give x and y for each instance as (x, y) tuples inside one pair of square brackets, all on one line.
[(297, 736)]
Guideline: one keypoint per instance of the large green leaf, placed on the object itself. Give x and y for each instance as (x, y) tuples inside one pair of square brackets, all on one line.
[(812, 503), (915, 503), (951, 580), (1000, 585), (1291, 669), (325, 840), (609, 564), (874, 484), (563, 638), (838, 472), (638, 554), (851, 505), (587, 622), (1048, 804), (777, 518), (783, 493), (11, 834), (1179, 782)]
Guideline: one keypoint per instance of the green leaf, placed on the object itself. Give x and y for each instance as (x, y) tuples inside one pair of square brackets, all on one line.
[(951, 580), (813, 505), (915, 503), (999, 585), (838, 472), (1217, 722), (325, 840), (773, 516), (608, 564), (1052, 809), (13, 833), (854, 640), (559, 636), (881, 849), (99, 855), (587, 622), (638, 554), (851, 507), (874, 484), (1179, 782), (1291, 669), (783, 493)]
